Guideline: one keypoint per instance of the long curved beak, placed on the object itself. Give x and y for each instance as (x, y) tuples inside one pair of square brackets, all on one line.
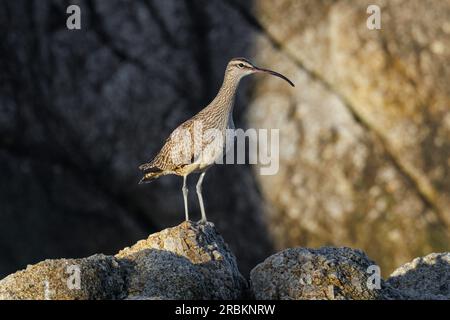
[(276, 74)]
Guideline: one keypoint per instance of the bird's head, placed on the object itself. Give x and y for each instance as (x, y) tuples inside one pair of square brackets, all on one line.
[(241, 67)]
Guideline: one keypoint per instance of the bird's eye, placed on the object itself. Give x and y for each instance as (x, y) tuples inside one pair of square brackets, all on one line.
[(240, 65)]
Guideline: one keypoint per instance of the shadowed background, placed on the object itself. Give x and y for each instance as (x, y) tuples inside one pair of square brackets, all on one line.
[(364, 149)]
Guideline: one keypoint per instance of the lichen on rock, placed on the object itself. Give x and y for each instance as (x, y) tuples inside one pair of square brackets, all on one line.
[(192, 261), (325, 273), (101, 277), (189, 261)]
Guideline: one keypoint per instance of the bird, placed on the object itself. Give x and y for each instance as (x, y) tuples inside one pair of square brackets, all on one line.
[(185, 151)]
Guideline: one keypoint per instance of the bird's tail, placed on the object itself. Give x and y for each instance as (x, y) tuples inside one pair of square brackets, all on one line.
[(150, 174)]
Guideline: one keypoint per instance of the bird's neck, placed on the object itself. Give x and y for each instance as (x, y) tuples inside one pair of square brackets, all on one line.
[(225, 98)]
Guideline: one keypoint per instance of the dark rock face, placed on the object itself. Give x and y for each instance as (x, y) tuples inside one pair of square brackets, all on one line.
[(80, 110), (325, 273), (190, 261), (424, 278)]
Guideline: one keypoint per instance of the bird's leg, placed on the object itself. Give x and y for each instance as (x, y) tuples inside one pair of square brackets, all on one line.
[(200, 198), (185, 198)]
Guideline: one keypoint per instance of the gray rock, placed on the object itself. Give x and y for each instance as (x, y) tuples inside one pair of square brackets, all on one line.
[(101, 277), (325, 273), (424, 278), (189, 261)]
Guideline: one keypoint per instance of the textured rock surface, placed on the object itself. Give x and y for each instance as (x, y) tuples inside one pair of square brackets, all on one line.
[(424, 278), (364, 141), (325, 273), (190, 261), (101, 278)]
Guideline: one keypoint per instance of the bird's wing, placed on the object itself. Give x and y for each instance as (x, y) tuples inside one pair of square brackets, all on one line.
[(177, 151)]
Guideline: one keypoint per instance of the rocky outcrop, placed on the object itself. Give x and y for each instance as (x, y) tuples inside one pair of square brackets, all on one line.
[(344, 273), (190, 261), (325, 273), (424, 278), (95, 277)]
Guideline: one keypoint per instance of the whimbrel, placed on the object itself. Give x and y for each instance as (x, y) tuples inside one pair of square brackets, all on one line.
[(182, 157)]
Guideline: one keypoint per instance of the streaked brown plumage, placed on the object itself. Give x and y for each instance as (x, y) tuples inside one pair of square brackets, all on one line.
[(196, 154)]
